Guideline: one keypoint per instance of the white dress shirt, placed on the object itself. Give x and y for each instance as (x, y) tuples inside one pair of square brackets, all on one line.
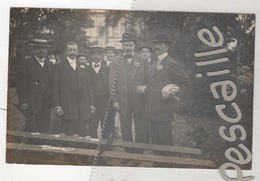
[(107, 61), (72, 62), (96, 68), (41, 61)]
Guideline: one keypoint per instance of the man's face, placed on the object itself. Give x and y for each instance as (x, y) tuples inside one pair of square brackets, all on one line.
[(72, 51), (160, 48), (128, 47), (146, 53), (39, 51), (110, 54), (82, 59), (96, 56)]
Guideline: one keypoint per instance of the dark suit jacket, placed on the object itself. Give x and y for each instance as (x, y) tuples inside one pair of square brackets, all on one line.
[(141, 77), (104, 71), (73, 95), (157, 108), (32, 82)]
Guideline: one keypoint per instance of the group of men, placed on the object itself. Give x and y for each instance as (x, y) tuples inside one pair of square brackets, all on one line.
[(144, 91)]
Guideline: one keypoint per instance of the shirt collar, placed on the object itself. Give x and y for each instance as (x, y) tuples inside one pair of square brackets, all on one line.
[(93, 63), (39, 60), (71, 61), (107, 61), (162, 56)]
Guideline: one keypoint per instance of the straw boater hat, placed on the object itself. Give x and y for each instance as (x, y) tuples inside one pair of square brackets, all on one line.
[(40, 43), (110, 47), (96, 48), (162, 38), (128, 37), (147, 46)]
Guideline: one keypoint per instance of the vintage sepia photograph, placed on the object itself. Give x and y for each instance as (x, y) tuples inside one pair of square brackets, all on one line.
[(130, 89)]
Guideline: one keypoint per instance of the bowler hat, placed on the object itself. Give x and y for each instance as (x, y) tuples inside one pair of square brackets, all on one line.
[(148, 47), (96, 49), (162, 38), (128, 37), (40, 43), (110, 47)]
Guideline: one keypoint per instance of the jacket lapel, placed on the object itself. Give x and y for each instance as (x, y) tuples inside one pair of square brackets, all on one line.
[(123, 69), (70, 71), (49, 66), (136, 65), (38, 65), (103, 70), (155, 69)]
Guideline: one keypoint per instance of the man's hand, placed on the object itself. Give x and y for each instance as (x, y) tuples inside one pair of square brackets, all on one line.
[(24, 106), (59, 111), (92, 109), (141, 89), (116, 105)]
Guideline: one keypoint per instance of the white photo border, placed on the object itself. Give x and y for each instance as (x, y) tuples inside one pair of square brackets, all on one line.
[(17, 172)]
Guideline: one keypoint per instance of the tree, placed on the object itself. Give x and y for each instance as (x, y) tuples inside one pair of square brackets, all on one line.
[(57, 25)]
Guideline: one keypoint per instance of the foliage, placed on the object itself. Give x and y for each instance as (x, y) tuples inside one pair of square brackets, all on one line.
[(182, 27), (57, 25)]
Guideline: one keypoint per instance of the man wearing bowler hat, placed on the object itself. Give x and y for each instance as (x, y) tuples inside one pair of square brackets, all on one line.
[(130, 89), (83, 58), (34, 87), (72, 93), (167, 86)]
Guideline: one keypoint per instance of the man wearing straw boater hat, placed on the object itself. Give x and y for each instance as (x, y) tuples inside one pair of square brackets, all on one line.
[(99, 77), (167, 86), (34, 87), (110, 53), (130, 88)]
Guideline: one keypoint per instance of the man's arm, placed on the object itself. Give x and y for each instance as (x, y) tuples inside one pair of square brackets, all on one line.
[(21, 83), (56, 85), (90, 91), (112, 73), (183, 81), (113, 84)]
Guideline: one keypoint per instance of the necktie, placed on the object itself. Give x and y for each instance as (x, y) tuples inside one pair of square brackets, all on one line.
[(96, 65)]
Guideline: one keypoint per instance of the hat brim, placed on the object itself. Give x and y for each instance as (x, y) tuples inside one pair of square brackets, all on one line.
[(37, 45), (148, 47), (82, 55), (122, 41), (95, 51), (162, 41)]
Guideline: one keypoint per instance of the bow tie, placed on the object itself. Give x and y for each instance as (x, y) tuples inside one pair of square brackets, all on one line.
[(128, 56), (96, 65)]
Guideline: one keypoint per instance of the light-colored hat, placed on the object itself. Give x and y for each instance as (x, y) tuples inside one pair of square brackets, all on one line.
[(40, 43)]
